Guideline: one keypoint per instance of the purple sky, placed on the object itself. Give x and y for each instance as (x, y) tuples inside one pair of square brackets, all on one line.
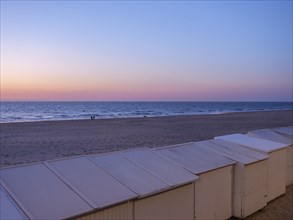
[(146, 51)]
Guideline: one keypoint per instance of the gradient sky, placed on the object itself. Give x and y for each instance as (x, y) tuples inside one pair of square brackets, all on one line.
[(148, 51)]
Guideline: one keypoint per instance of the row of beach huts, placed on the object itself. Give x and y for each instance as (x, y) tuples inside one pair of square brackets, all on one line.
[(232, 175)]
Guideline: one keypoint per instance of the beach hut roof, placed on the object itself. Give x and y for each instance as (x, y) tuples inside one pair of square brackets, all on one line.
[(195, 159), (95, 185), (284, 130), (272, 135), (160, 167), (253, 142), (235, 151), (41, 194), (135, 177), (8, 208)]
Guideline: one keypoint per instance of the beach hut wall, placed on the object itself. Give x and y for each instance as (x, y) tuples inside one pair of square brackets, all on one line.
[(249, 176), (277, 161), (9, 210), (158, 199), (177, 203), (41, 194), (281, 138), (213, 190), (123, 211)]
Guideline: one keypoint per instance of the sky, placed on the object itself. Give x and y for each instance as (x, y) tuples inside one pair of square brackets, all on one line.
[(146, 51)]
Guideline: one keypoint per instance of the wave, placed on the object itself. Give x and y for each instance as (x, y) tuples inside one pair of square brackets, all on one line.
[(40, 111)]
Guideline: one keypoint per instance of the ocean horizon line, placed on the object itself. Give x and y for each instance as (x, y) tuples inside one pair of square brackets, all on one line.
[(48, 111), (183, 101)]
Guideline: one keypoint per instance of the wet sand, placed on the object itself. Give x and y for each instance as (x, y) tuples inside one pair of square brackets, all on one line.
[(34, 141)]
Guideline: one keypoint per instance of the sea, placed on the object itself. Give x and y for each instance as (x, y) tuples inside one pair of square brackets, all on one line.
[(43, 111)]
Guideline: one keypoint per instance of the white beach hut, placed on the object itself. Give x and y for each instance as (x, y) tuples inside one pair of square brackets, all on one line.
[(249, 176), (213, 190), (277, 162), (109, 198), (9, 210), (41, 194), (158, 199), (281, 138), (180, 205)]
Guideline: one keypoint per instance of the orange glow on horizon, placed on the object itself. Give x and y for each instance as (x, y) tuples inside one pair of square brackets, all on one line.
[(124, 91)]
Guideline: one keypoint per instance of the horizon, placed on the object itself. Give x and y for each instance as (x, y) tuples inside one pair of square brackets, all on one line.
[(145, 101), (146, 51)]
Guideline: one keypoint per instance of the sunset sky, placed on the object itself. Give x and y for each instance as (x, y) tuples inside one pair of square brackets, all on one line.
[(146, 51)]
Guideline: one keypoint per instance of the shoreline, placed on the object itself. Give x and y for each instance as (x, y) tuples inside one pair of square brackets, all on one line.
[(145, 116), (27, 142)]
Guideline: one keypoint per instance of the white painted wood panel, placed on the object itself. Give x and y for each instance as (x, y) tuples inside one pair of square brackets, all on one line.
[(172, 205), (119, 212), (213, 194)]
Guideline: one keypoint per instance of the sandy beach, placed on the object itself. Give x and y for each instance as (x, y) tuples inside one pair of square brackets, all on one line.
[(35, 141)]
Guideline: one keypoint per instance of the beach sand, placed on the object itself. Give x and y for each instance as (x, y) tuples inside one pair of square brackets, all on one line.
[(35, 141)]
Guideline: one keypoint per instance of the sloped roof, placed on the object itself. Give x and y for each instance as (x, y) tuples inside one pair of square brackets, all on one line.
[(160, 167), (135, 177), (284, 130), (41, 194), (272, 135), (97, 186), (235, 151), (195, 159), (8, 208), (253, 142), (69, 187)]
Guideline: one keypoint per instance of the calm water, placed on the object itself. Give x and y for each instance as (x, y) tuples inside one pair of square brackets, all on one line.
[(38, 111)]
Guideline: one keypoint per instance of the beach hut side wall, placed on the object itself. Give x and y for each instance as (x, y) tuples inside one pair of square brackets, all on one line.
[(281, 138), (172, 205), (255, 187), (249, 188), (277, 174), (213, 192), (289, 175), (237, 192), (123, 211)]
